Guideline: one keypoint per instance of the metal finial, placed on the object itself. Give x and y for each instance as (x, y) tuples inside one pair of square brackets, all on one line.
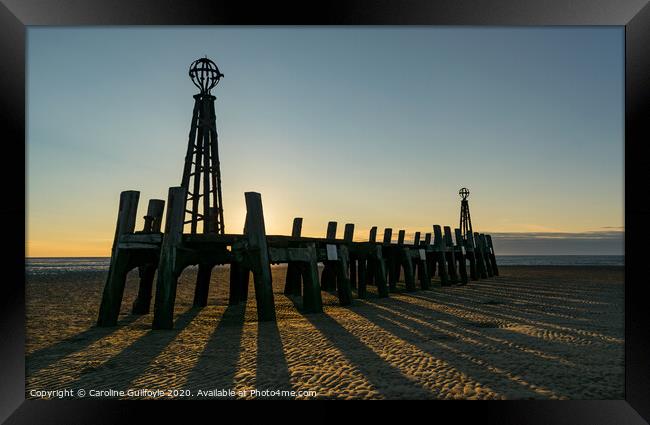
[(205, 74), (464, 193)]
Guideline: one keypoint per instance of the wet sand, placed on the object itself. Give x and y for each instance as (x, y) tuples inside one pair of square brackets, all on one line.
[(532, 333)]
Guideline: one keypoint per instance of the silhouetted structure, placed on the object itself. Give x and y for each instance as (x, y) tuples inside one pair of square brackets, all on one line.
[(465, 219), (348, 265), (201, 174)]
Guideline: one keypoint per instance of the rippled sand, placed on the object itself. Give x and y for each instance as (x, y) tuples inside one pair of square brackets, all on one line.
[(534, 332)]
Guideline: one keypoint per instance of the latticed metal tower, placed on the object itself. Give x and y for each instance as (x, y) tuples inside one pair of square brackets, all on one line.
[(465, 220), (201, 174)]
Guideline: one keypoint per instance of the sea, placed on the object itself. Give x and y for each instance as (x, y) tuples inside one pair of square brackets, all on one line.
[(40, 266)]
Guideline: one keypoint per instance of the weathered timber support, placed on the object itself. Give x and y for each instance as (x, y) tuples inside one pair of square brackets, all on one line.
[(311, 296), (109, 308), (407, 263), (343, 288), (239, 276), (292, 285), (486, 254), (202, 285), (431, 256), (258, 256), (480, 257), (348, 235), (169, 267), (152, 223), (392, 265), (441, 260), (361, 271), (328, 276), (493, 257), (379, 270), (459, 247), (370, 269), (451, 255), (469, 254)]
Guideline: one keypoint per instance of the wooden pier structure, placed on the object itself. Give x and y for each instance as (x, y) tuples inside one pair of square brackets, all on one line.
[(349, 265)]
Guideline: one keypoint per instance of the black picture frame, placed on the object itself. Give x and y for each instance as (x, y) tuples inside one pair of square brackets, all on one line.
[(634, 15)]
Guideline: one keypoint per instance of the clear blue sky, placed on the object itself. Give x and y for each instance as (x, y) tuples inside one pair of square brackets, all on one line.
[(376, 126)]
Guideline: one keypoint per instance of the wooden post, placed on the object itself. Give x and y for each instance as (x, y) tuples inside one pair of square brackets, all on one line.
[(439, 244), (328, 276), (389, 260), (460, 257), (202, 284), (493, 257), (486, 254), (292, 284), (343, 288), (416, 239), (407, 263), (109, 308), (348, 235), (168, 267), (370, 269), (380, 271), (451, 255), (480, 257), (153, 220), (259, 257), (361, 283), (469, 255), (400, 237), (311, 296), (431, 257)]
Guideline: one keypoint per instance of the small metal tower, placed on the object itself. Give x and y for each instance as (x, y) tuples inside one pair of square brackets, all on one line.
[(465, 220), (201, 174)]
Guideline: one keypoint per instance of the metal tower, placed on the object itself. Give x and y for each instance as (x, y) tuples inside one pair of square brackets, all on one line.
[(201, 174), (465, 220)]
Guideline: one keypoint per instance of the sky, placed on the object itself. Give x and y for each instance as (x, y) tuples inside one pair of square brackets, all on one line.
[(377, 126)]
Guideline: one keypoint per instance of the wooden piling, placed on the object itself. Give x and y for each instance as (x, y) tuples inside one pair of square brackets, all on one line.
[(259, 257), (451, 255), (469, 254), (486, 254), (311, 296), (293, 284), (343, 289), (328, 275), (153, 221), (439, 246), (202, 285), (169, 267), (109, 308), (460, 257), (493, 258), (480, 256)]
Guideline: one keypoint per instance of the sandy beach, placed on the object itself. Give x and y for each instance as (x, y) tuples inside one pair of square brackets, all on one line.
[(534, 332)]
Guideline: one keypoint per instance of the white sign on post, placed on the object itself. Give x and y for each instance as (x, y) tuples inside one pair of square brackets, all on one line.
[(331, 252), (423, 254)]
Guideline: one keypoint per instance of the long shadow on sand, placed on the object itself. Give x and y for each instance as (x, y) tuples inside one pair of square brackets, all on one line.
[(217, 364), (426, 340), (145, 350), (44, 357), (272, 372), (385, 378)]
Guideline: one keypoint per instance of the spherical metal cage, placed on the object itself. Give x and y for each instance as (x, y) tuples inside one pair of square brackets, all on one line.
[(205, 74), (464, 193)]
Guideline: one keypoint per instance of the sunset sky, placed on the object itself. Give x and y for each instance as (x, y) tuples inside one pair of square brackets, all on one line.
[(377, 126)]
